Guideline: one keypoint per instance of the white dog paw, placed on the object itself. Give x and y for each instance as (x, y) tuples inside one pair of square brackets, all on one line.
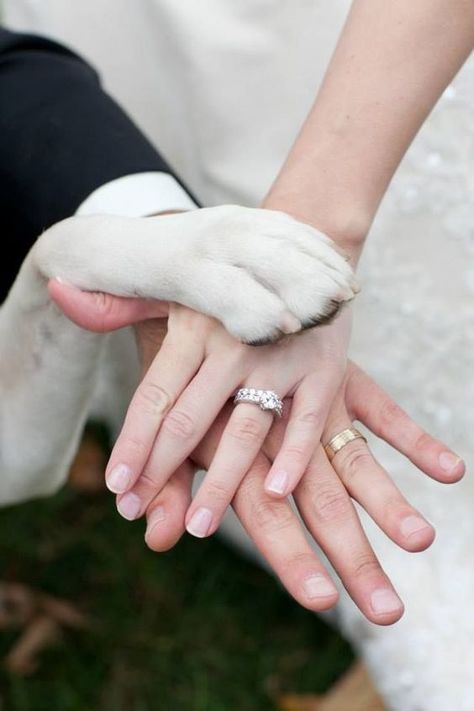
[(260, 272), (264, 274)]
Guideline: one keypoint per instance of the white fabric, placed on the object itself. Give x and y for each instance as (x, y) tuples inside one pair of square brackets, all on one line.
[(137, 195), (222, 86)]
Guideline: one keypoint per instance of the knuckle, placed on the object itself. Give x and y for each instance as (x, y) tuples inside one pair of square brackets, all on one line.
[(218, 492), (353, 459), (310, 416), (179, 424), (332, 504), (366, 565), (296, 452), (148, 483), (389, 413), (247, 430), (271, 515), (423, 442), (135, 446), (154, 398)]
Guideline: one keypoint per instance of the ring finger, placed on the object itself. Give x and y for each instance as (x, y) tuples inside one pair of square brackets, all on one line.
[(241, 441), (370, 485)]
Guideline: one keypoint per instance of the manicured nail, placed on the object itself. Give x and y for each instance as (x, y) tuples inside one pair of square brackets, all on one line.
[(119, 479), (129, 506), (200, 523), (277, 482), (413, 524), (449, 461), (157, 516), (319, 586), (385, 601)]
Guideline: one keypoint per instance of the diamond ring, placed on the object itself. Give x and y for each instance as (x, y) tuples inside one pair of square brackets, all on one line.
[(265, 399)]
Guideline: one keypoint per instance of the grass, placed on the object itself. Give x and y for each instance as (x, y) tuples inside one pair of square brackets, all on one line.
[(196, 629)]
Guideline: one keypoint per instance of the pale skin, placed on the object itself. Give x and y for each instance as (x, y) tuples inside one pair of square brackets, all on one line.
[(323, 497), (388, 70)]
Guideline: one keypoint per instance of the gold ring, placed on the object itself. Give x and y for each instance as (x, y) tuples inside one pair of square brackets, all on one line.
[(340, 440)]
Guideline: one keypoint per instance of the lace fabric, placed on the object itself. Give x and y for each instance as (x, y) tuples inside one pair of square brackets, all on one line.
[(414, 334)]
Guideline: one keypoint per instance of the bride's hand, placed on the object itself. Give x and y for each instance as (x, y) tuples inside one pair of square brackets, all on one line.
[(198, 368)]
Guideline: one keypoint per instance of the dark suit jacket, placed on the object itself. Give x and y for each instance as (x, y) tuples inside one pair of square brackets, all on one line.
[(61, 137)]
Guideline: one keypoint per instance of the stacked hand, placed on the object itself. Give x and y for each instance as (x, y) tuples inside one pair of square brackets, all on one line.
[(171, 428)]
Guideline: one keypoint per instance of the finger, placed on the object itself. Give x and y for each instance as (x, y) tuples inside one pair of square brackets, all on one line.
[(309, 409), (240, 443), (165, 515), (100, 312), (182, 428), (170, 372), (332, 520), (369, 484), (368, 403), (277, 533)]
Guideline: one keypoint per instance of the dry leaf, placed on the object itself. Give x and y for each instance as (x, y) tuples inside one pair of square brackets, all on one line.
[(41, 617), (87, 470), (23, 657), (297, 702), (354, 691)]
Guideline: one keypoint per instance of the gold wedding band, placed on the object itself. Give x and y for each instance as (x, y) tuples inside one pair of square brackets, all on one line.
[(340, 440)]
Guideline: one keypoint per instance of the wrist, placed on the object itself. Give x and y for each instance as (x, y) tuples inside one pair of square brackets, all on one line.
[(347, 226)]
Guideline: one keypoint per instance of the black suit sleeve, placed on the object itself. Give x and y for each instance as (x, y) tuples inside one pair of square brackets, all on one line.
[(61, 137)]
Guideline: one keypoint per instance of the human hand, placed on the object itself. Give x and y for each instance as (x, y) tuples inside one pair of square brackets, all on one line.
[(197, 369), (196, 343), (323, 499), (325, 505)]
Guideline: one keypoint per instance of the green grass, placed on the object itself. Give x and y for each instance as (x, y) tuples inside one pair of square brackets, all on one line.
[(197, 629)]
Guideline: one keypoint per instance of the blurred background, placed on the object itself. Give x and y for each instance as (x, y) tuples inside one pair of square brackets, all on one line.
[(91, 619)]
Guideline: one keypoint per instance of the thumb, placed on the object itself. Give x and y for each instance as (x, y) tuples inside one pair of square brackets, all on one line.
[(96, 311)]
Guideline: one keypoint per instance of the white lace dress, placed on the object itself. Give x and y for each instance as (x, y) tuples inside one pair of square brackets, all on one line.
[(202, 79)]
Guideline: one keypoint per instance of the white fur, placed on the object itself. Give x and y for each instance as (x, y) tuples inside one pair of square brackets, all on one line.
[(258, 271)]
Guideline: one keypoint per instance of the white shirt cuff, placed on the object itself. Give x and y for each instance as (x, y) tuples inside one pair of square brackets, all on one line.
[(137, 195)]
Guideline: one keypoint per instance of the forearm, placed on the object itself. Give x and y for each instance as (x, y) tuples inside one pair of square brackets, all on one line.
[(393, 60)]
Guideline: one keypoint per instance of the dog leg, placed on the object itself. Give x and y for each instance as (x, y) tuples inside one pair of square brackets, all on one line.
[(48, 368)]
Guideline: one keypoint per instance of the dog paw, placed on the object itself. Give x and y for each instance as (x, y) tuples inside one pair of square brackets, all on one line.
[(265, 274), (260, 272)]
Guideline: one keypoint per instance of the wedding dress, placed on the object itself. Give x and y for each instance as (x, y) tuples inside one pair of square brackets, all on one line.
[(222, 87)]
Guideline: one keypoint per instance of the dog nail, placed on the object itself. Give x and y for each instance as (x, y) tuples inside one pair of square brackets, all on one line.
[(289, 323)]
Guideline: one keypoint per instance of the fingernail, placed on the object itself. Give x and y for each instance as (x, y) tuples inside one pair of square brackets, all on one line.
[(318, 586), (119, 479), (413, 524), (157, 516), (449, 461), (384, 601), (200, 523), (277, 482), (129, 506)]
